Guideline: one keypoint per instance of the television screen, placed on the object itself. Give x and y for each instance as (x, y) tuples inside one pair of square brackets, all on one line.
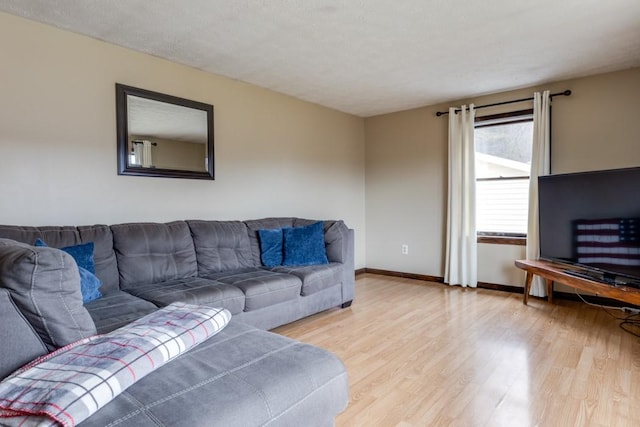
[(592, 219)]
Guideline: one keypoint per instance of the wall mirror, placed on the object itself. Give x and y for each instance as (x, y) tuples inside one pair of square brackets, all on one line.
[(162, 135)]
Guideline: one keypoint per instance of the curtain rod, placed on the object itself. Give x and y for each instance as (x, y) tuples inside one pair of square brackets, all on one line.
[(137, 141), (565, 93)]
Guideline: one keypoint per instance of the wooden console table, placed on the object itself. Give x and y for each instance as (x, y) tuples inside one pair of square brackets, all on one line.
[(552, 272)]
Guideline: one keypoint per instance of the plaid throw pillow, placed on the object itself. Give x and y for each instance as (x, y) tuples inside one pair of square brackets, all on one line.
[(68, 385)]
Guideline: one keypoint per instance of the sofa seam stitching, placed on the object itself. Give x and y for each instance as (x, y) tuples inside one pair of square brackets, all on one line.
[(304, 398), (210, 380)]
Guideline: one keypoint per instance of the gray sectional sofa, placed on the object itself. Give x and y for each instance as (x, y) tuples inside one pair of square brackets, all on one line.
[(242, 376)]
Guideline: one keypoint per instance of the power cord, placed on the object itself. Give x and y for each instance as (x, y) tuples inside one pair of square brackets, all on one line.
[(631, 320)]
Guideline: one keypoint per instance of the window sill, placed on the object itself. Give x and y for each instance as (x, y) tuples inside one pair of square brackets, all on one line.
[(503, 240)]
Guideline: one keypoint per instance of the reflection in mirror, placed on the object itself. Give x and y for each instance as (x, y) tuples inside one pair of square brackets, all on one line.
[(161, 135)]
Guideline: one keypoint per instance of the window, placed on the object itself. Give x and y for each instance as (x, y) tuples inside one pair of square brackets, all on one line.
[(503, 164)]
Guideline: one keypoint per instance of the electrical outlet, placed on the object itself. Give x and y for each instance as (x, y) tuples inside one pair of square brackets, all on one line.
[(405, 249)]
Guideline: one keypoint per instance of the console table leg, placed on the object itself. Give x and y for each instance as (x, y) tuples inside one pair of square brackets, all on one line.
[(550, 290), (527, 287)]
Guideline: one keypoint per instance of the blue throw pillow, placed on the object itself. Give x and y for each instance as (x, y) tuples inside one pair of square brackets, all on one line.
[(271, 247), (83, 256), (304, 245), (89, 285)]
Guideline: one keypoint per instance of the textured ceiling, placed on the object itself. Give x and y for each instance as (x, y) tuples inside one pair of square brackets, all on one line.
[(153, 119), (366, 57)]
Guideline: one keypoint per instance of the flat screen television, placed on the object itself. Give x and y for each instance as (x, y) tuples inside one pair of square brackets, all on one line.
[(591, 220)]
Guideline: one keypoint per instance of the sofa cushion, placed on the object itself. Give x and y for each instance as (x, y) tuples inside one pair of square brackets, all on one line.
[(261, 287), (220, 245), (263, 224), (153, 252), (116, 309), (83, 256), (195, 290), (271, 247), (89, 286), (304, 245), (45, 285), (20, 343), (336, 233), (104, 258), (240, 377), (55, 236), (103, 255), (315, 277)]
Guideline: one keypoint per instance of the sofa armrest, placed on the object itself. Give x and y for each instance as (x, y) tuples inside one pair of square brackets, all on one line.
[(336, 240), (349, 271), (339, 241)]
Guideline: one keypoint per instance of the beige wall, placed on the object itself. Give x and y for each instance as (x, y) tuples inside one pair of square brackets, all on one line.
[(275, 155), (405, 191), (597, 127)]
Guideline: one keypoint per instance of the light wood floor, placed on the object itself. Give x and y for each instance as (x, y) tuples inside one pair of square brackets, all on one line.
[(426, 354)]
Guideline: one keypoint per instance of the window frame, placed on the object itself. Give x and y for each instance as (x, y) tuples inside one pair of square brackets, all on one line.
[(512, 117)]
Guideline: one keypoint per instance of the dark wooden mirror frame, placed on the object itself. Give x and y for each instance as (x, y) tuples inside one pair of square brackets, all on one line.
[(122, 91)]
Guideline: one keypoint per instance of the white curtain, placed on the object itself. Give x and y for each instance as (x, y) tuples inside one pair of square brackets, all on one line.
[(540, 165), (461, 254), (147, 160), (136, 154)]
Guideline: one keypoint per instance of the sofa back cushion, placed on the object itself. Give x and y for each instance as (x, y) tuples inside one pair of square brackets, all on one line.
[(59, 237), (221, 246), (152, 252), (45, 284), (55, 236), (20, 343), (104, 256)]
